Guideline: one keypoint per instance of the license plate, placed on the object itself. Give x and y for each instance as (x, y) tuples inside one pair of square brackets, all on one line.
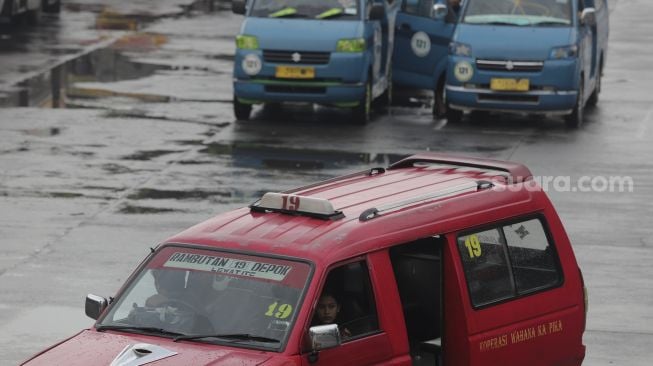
[(509, 84), (295, 72)]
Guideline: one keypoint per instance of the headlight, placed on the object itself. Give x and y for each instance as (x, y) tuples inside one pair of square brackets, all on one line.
[(246, 42), (564, 52), (460, 49), (351, 45)]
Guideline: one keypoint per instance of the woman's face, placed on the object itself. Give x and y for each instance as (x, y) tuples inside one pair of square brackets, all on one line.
[(327, 309)]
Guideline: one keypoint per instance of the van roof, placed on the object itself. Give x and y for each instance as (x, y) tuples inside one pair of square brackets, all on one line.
[(408, 198)]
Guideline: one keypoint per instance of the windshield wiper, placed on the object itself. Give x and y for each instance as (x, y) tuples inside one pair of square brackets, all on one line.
[(331, 13), (503, 23), (235, 336), (550, 22), (286, 12), (102, 328)]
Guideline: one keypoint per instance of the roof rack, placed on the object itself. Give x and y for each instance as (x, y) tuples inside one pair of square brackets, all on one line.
[(517, 173), (368, 172), (296, 205), (473, 186)]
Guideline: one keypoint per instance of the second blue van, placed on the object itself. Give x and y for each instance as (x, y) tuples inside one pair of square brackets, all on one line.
[(527, 56)]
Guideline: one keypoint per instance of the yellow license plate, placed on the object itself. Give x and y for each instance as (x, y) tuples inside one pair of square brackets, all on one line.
[(295, 72), (509, 84)]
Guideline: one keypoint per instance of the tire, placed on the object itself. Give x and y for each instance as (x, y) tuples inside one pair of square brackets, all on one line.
[(594, 98), (361, 113), (454, 116), (575, 119), (241, 110), (439, 103)]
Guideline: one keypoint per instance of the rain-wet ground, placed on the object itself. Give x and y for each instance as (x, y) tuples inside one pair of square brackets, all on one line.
[(144, 144)]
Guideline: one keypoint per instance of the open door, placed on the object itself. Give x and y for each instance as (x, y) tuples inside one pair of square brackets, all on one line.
[(421, 43), (418, 271)]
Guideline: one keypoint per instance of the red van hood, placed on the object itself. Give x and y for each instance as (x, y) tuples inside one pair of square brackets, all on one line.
[(102, 348)]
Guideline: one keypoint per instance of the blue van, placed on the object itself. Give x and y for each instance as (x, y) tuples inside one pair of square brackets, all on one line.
[(330, 52), (527, 56)]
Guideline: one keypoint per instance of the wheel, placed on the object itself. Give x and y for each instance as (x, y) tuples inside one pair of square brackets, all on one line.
[(361, 113), (242, 110), (454, 115), (439, 102), (575, 119), (594, 98)]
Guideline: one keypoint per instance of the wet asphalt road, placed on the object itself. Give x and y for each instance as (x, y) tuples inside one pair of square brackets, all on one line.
[(145, 145)]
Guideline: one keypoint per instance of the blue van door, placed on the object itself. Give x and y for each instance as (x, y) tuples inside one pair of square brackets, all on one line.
[(421, 44)]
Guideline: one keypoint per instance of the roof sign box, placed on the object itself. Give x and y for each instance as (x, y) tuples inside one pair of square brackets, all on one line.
[(297, 205)]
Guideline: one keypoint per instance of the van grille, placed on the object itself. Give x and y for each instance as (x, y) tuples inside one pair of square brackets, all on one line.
[(311, 58), (507, 65)]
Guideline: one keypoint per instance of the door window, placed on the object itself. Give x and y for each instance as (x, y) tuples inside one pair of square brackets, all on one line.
[(421, 8), (532, 257), (486, 266), (508, 261), (347, 299)]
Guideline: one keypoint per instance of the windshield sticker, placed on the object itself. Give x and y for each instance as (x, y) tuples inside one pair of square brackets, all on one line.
[(280, 312), (230, 266)]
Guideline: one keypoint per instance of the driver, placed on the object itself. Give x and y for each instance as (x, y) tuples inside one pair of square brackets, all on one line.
[(328, 309), (169, 285)]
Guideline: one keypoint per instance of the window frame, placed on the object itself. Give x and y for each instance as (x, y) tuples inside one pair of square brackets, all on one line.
[(364, 259), (499, 225)]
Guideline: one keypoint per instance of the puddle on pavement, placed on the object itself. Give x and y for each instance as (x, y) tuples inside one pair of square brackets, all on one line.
[(43, 132), (149, 155), (132, 209), (151, 193), (265, 156), (56, 87)]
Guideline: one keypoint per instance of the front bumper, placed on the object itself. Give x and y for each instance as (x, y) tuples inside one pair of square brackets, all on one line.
[(553, 88)]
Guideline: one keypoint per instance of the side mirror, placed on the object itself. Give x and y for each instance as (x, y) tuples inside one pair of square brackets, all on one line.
[(588, 16), (238, 6), (95, 305), (324, 337), (377, 12), (439, 11)]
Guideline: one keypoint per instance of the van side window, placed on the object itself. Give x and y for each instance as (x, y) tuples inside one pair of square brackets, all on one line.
[(421, 8), (349, 287), (508, 261), (532, 256), (486, 266)]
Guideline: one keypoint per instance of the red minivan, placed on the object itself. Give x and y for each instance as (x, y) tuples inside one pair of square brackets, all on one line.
[(435, 260)]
